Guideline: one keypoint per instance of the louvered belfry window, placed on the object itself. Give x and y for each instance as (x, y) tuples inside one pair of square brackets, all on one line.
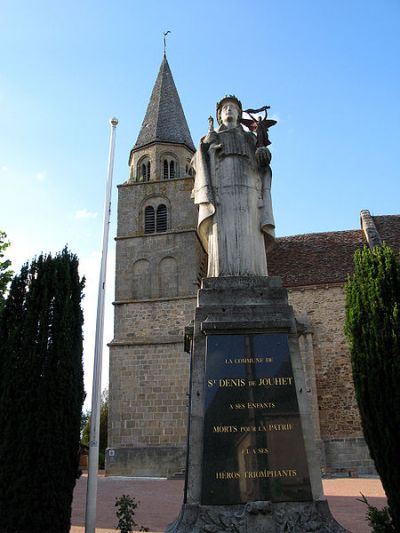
[(155, 220), (149, 219), (144, 172), (169, 168), (165, 174), (161, 218), (172, 169), (143, 169)]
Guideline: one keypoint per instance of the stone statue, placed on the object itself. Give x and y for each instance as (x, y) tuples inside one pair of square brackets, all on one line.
[(233, 192)]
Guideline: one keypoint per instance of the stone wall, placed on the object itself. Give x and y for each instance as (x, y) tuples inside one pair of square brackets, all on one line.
[(149, 384), (324, 307), (164, 319), (343, 446), (175, 193), (348, 456), (149, 381), (157, 266), (157, 274)]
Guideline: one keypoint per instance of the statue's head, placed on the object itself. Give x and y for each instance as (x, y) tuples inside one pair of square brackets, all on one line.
[(229, 110)]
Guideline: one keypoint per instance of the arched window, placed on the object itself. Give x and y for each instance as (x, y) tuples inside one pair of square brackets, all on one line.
[(166, 173), (143, 169), (145, 174), (149, 219), (169, 167), (155, 218), (161, 224)]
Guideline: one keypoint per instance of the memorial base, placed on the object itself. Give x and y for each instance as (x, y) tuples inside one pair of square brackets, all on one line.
[(257, 517), (252, 462)]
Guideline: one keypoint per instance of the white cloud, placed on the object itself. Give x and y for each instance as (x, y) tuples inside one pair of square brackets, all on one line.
[(3, 168), (84, 213), (41, 175)]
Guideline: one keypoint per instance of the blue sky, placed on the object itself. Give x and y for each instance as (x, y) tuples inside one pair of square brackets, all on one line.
[(329, 70)]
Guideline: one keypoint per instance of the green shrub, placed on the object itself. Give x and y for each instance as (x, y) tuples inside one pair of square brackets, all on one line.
[(378, 519), (125, 513)]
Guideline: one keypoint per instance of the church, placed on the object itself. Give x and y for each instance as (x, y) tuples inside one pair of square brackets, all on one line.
[(160, 262)]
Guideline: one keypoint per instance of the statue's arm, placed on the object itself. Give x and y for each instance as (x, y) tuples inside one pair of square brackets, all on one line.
[(203, 191), (209, 139)]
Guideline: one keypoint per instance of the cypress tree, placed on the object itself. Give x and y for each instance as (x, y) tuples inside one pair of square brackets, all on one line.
[(373, 329), (6, 273), (41, 395)]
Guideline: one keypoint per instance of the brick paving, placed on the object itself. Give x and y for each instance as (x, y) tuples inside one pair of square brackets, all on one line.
[(160, 501)]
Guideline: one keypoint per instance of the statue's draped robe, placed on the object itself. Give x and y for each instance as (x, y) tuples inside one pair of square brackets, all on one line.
[(234, 199)]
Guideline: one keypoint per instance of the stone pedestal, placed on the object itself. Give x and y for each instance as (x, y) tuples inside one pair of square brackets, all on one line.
[(252, 464)]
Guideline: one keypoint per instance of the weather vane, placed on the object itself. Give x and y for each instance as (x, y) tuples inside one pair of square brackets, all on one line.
[(165, 41)]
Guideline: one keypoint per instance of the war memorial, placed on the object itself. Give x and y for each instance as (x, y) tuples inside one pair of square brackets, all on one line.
[(252, 463), (228, 364)]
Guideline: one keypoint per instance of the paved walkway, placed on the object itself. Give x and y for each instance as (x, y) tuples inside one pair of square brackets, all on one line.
[(160, 502)]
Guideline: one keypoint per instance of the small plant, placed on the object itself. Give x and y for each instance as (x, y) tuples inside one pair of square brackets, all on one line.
[(125, 513), (378, 519)]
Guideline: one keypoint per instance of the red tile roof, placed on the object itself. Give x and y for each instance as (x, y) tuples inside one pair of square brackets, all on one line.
[(314, 258), (388, 227), (321, 258)]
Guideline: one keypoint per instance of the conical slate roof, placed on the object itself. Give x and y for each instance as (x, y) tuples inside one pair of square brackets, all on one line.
[(164, 120)]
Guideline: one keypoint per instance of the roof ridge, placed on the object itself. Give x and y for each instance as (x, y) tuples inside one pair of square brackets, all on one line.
[(355, 230)]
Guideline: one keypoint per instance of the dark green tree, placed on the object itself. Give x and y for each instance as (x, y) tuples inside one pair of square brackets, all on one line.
[(41, 395), (6, 273), (373, 330)]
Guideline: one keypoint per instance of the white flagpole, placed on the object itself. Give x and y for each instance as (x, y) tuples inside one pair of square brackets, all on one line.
[(91, 493)]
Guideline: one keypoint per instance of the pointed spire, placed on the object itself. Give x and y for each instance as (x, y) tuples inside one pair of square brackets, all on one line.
[(164, 120)]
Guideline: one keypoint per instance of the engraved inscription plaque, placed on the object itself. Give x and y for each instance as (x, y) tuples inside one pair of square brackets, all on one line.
[(253, 441)]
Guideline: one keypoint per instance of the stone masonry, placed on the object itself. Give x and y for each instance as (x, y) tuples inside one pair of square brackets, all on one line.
[(159, 260)]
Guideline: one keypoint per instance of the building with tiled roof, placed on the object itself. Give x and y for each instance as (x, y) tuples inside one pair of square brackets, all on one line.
[(314, 268), (159, 261)]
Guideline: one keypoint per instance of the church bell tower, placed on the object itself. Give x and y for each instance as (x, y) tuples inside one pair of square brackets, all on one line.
[(158, 263)]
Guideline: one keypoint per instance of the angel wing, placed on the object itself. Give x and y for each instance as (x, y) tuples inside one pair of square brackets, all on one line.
[(251, 124), (269, 122)]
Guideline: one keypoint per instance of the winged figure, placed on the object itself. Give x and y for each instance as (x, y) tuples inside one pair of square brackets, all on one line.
[(259, 125)]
